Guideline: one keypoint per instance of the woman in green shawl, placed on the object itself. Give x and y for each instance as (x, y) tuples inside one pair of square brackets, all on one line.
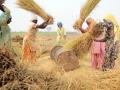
[(5, 19)]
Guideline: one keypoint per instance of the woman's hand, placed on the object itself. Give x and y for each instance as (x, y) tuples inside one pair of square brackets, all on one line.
[(43, 25)]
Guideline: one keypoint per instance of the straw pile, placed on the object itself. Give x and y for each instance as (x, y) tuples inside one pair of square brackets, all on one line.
[(32, 6), (45, 76), (85, 11), (18, 77), (6, 62), (82, 44), (21, 78)]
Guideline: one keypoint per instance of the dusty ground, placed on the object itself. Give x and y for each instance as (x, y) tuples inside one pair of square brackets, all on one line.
[(83, 78)]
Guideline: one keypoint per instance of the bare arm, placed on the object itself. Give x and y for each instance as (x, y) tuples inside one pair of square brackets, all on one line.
[(83, 30), (41, 26)]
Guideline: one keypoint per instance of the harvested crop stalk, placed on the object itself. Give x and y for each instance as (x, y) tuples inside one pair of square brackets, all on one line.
[(32, 6), (85, 11)]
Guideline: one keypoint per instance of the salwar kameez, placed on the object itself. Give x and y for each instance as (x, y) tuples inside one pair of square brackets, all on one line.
[(97, 52), (29, 44), (61, 36), (111, 49)]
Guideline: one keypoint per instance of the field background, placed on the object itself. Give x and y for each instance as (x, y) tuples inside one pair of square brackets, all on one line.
[(42, 33)]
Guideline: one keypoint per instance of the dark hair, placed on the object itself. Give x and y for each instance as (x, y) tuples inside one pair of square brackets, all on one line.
[(35, 21)]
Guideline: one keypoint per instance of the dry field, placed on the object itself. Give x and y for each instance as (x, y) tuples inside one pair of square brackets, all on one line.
[(45, 74)]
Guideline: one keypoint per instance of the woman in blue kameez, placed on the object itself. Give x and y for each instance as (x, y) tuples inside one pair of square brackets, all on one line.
[(5, 19)]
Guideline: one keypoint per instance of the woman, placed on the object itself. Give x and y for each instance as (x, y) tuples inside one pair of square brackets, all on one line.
[(97, 47), (29, 41), (5, 19), (98, 52), (111, 47), (61, 34)]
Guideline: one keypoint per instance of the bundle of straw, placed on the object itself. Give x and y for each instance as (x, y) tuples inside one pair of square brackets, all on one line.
[(82, 44), (32, 6), (79, 45), (85, 11)]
